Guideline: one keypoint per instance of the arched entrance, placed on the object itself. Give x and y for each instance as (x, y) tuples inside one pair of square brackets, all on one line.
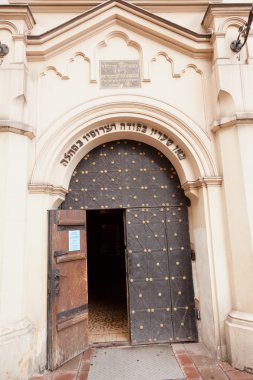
[(197, 172), (137, 213)]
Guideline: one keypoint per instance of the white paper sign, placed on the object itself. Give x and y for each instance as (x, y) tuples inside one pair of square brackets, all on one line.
[(74, 240)]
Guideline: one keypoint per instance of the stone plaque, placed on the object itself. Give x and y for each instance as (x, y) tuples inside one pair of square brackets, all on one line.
[(119, 74)]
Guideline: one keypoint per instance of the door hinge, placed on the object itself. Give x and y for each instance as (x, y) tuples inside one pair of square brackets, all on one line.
[(49, 283), (60, 253), (53, 282), (193, 255), (197, 313)]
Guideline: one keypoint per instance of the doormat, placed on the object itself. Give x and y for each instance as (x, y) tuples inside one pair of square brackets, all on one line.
[(152, 362)]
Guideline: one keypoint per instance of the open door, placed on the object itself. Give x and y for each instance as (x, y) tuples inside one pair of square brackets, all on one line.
[(67, 286)]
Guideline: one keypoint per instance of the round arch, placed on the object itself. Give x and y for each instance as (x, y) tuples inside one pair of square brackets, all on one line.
[(136, 185), (73, 135)]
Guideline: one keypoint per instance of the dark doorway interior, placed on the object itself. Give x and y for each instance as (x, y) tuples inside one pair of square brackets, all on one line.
[(107, 292)]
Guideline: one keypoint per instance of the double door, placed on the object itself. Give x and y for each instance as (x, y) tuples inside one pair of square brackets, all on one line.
[(158, 276)]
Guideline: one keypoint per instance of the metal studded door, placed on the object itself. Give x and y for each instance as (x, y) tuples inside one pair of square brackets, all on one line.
[(159, 270), (136, 177)]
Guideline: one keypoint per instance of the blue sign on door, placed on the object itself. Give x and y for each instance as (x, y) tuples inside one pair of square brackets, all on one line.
[(74, 240)]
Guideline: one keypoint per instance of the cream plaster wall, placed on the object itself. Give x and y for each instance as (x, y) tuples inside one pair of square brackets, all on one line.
[(239, 323), (16, 330), (191, 20), (13, 224), (245, 138), (46, 20), (237, 217)]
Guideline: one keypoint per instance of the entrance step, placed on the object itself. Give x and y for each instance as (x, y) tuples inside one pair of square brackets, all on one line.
[(152, 362), (194, 359)]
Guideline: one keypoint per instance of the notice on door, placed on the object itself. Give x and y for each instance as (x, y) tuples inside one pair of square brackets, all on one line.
[(74, 240)]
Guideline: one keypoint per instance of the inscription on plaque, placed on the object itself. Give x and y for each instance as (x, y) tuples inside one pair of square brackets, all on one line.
[(119, 74)]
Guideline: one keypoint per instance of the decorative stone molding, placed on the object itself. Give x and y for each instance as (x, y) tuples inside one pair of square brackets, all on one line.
[(239, 333), (88, 116), (191, 187), (57, 72), (17, 127), (224, 11), (240, 317), (40, 47), (93, 3), (41, 188), (238, 118), (231, 21), (18, 12), (4, 24), (202, 182)]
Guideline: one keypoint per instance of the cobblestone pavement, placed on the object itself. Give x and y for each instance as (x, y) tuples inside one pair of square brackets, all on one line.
[(193, 360)]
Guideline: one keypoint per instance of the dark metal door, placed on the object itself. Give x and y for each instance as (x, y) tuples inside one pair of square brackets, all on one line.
[(159, 275), (67, 286), (132, 175)]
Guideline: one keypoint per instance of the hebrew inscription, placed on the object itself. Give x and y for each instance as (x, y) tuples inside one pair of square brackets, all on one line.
[(112, 127), (119, 74)]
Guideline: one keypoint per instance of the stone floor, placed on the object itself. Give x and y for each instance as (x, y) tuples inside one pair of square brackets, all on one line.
[(193, 359), (107, 323)]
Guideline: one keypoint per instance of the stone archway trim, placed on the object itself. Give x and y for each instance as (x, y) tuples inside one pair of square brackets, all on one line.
[(41, 188), (59, 137)]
